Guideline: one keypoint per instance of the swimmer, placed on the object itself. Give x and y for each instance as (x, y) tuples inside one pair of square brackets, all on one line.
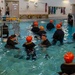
[(70, 19), (45, 44), (29, 48), (33, 24), (41, 31), (50, 25), (11, 42), (29, 28), (68, 67), (58, 35), (35, 29)]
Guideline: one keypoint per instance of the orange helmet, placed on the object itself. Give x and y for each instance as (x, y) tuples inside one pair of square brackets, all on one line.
[(60, 23), (29, 38), (35, 23), (58, 26), (68, 57), (41, 28), (51, 21)]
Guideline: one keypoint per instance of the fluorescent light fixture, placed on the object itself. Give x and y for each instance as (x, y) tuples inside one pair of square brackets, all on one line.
[(33, 0), (65, 1)]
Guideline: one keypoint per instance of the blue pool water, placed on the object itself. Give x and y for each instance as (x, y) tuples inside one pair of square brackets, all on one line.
[(14, 66)]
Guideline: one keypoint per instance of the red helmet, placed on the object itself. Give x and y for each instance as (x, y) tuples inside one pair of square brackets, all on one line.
[(51, 21), (29, 38), (68, 57), (35, 23), (58, 26)]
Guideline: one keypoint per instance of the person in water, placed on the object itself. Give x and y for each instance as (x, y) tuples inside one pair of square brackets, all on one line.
[(29, 48), (5, 31), (33, 24), (35, 29), (41, 31), (45, 44), (11, 42), (70, 19), (50, 25), (58, 35), (68, 67)]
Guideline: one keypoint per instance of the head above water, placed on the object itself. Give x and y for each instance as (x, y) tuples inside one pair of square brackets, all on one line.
[(51, 21), (12, 36), (68, 57), (29, 39), (35, 23), (58, 26), (41, 28), (43, 37)]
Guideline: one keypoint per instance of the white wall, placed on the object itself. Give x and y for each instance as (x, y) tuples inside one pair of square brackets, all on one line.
[(40, 9), (72, 1), (2, 6)]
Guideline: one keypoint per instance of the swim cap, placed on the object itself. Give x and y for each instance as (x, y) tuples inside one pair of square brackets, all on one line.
[(60, 23), (58, 26), (35, 23), (51, 21), (29, 38), (68, 57), (41, 28)]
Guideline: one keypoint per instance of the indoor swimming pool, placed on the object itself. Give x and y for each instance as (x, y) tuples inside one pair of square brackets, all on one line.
[(9, 65)]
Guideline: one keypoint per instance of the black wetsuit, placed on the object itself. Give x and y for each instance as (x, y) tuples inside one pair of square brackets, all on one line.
[(46, 43), (50, 26), (41, 32), (29, 48), (58, 36), (35, 30), (5, 31), (74, 36), (67, 68), (11, 44), (70, 20)]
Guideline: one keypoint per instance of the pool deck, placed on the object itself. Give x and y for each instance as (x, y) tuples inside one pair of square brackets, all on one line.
[(50, 17)]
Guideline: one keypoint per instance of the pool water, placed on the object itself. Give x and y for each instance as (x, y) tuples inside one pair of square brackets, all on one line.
[(15, 66)]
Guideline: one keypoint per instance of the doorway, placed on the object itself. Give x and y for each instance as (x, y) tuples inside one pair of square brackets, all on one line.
[(13, 8)]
